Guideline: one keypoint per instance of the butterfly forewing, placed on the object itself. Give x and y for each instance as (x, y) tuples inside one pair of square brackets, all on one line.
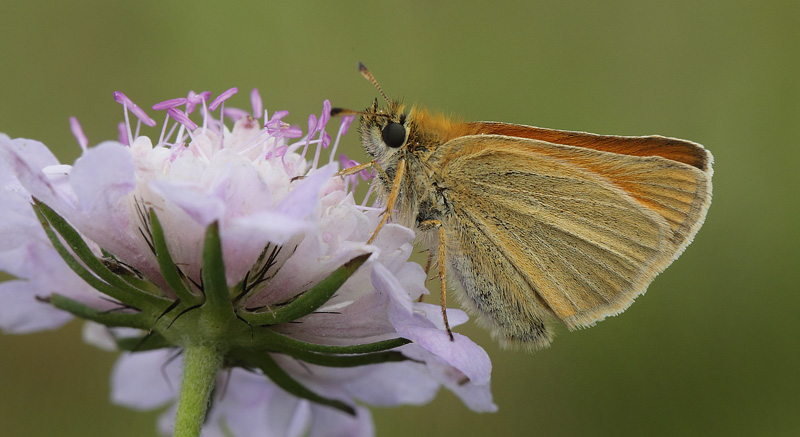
[(561, 237)]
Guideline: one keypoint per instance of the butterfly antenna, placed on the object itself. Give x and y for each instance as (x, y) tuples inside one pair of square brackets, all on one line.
[(335, 112), (367, 75)]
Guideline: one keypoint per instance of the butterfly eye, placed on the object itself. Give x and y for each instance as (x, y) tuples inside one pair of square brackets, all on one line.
[(394, 135)]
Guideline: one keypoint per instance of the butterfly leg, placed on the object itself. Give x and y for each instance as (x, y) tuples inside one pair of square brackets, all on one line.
[(398, 179), (353, 170), (357, 168), (441, 260)]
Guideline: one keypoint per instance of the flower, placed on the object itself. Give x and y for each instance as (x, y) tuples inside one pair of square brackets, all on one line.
[(228, 238)]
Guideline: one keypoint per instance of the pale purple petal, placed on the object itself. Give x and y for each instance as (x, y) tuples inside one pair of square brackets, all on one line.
[(327, 422), (276, 228), (478, 397), (26, 158), (301, 199), (393, 384), (253, 405), (99, 336), (433, 314), (462, 353), (103, 176), (21, 313), (145, 380), (202, 207), (386, 282)]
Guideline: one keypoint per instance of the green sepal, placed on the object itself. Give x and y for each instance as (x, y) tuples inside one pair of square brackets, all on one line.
[(309, 301), (273, 371), (167, 266), (108, 318), (73, 263), (348, 360), (282, 343), (105, 280), (215, 284), (144, 285)]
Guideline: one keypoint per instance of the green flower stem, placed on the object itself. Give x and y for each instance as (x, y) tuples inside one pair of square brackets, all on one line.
[(200, 366)]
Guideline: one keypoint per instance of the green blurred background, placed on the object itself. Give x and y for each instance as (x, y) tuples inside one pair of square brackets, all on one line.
[(713, 347)]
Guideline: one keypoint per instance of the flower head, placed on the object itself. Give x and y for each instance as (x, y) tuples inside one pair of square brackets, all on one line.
[(228, 237)]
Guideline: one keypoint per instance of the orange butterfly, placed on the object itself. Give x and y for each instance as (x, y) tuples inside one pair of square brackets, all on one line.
[(536, 223)]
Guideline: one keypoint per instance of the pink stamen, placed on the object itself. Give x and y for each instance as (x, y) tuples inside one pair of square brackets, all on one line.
[(225, 95), (326, 113), (163, 130), (172, 103), (343, 126), (367, 196), (194, 99), (165, 138), (122, 99), (312, 128), (123, 133), (203, 98), (346, 121), (77, 132), (255, 101), (181, 118)]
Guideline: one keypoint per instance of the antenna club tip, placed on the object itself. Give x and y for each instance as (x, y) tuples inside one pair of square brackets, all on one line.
[(336, 111), (361, 67)]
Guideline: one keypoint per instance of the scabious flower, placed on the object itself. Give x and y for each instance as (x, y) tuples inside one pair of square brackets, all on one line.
[(223, 255)]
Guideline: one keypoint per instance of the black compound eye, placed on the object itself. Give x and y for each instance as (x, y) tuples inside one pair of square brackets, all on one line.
[(394, 135)]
